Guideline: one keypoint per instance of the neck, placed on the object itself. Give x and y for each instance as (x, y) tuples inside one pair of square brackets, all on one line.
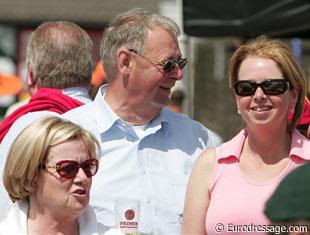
[(270, 145), (130, 109), (44, 225), (44, 221)]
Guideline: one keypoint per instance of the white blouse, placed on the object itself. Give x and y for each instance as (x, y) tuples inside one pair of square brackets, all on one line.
[(16, 221)]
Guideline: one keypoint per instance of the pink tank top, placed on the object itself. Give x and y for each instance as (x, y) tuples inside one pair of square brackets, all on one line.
[(236, 204)]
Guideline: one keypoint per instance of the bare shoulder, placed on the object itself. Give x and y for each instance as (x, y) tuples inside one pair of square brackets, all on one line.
[(204, 165), (197, 195), (206, 159)]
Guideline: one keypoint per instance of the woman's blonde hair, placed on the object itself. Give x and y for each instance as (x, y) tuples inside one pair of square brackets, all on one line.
[(30, 149)]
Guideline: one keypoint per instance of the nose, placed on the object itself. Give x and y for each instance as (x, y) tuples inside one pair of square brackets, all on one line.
[(81, 176), (259, 94), (180, 72)]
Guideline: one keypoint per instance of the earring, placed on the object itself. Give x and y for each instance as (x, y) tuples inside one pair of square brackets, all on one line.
[(238, 111), (292, 110)]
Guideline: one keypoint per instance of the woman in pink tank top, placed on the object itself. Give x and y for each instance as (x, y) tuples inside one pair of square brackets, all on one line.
[(229, 185)]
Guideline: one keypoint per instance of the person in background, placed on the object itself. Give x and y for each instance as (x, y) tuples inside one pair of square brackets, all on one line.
[(175, 103), (147, 150), (48, 175), (289, 205), (59, 68), (229, 185)]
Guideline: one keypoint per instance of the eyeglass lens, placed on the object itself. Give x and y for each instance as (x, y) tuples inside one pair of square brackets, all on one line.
[(269, 87), (69, 169), (169, 65)]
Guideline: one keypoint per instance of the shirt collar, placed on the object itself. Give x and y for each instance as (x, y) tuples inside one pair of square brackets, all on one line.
[(102, 109), (233, 147), (300, 146), (78, 93), (110, 117), (162, 120)]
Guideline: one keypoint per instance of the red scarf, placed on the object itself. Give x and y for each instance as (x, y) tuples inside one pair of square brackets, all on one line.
[(45, 99)]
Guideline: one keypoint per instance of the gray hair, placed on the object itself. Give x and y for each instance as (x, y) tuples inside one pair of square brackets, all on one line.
[(130, 30), (60, 54)]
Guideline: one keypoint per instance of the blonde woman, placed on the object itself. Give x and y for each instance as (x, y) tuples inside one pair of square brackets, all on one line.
[(48, 175)]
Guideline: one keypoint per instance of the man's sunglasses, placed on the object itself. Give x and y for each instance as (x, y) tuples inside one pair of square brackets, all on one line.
[(270, 87), (168, 65), (69, 168)]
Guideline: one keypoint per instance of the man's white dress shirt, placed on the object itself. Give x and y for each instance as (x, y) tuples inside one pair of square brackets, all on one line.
[(151, 163)]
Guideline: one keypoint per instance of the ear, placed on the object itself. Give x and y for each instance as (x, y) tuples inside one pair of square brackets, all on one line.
[(31, 81), (29, 75), (123, 61), (237, 104)]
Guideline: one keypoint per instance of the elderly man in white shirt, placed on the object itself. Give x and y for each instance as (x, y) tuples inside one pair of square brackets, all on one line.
[(147, 150)]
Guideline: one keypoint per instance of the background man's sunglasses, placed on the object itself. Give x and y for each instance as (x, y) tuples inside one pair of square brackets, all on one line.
[(168, 65), (69, 168), (270, 87)]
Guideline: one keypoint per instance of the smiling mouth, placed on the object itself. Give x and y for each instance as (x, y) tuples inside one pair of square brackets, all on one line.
[(165, 88), (261, 109)]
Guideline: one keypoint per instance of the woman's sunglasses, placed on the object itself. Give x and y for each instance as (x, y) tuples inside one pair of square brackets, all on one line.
[(270, 87), (168, 65), (69, 168)]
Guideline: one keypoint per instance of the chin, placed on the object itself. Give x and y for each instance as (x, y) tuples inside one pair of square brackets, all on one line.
[(262, 123), (79, 209), (79, 205)]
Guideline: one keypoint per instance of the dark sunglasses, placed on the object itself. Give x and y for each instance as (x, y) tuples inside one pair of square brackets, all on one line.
[(270, 87), (168, 65), (69, 168)]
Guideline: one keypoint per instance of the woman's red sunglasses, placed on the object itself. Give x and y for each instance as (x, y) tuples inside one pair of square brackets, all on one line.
[(69, 168)]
